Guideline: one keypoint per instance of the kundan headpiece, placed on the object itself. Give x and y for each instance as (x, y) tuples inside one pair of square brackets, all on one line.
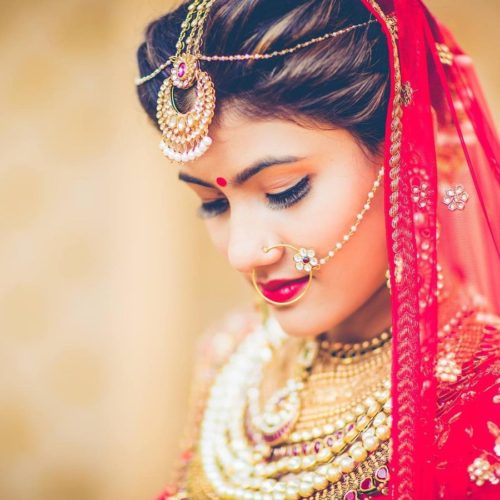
[(185, 135)]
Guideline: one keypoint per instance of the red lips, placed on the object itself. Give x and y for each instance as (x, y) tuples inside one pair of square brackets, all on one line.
[(283, 290)]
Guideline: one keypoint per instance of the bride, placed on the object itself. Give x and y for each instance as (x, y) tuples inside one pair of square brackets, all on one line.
[(345, 164)]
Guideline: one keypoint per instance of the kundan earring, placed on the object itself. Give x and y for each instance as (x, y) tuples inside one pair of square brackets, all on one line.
[(305, 259)]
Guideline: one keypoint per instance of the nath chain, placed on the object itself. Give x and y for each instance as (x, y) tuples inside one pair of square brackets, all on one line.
[(305, 259)]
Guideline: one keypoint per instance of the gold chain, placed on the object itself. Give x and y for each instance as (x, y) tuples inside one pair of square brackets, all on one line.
[(317, 460), (179, 46), (187, 24), (350, 351), (268, 55), (198, 27), (194, 48)]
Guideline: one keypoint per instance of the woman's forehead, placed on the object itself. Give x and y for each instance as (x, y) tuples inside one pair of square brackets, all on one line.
[(241, 142)]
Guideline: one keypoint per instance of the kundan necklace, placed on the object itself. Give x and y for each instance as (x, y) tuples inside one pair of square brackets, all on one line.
[(295, 446)]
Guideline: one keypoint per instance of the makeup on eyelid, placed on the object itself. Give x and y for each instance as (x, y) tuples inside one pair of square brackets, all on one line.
[(282, 176), (281, 181), (280, 200)]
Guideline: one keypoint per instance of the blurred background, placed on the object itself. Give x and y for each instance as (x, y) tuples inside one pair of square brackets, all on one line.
[(107, 276)]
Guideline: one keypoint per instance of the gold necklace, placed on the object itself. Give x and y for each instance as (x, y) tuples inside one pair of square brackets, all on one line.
[(337, 392), (348, 351), (349, 453)]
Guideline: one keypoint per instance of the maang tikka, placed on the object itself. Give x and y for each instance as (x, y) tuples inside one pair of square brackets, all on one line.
[(185, 135)]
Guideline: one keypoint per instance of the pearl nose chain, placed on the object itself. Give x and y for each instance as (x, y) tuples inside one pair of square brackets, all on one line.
[(305, 259)]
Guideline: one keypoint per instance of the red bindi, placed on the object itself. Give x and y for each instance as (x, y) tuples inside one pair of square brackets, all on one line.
[(221, 181)]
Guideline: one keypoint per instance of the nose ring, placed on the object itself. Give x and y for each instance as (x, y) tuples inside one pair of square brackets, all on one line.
[(304, 260)]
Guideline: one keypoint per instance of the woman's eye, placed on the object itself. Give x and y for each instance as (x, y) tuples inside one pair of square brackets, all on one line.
[(281, 200), (291, 196), (213, 208)]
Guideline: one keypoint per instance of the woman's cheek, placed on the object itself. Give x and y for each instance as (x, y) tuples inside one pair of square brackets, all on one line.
[(328, 217), (360, 262), (218, 233)]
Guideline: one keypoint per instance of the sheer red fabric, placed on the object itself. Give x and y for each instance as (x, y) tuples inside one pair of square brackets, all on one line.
[(441, 202)]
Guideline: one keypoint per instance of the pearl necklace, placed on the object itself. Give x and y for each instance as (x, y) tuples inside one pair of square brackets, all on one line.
[(239, 466), (276, 422)]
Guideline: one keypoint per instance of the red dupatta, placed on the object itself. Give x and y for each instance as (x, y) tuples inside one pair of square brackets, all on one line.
[(440, 144)]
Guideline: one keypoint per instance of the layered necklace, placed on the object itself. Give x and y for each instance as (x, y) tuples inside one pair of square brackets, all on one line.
[(324, 434)]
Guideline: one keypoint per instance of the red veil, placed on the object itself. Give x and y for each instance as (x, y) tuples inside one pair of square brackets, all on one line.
[(441, 204)]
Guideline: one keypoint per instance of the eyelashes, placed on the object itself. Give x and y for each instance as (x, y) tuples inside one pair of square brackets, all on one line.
[(213, 208), (276, 201), (291, 196)]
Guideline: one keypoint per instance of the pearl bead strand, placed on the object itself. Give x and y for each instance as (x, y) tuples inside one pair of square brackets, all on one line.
[(238, 469)]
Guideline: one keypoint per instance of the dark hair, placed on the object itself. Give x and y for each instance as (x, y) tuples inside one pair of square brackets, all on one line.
[(341, 81)]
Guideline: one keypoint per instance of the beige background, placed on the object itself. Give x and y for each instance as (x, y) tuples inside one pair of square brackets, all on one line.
[(107, 276)]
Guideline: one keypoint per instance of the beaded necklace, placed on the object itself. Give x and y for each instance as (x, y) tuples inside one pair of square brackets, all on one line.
[(287, 451)]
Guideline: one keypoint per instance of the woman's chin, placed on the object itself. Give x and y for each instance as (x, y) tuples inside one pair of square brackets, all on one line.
[(296, 321)]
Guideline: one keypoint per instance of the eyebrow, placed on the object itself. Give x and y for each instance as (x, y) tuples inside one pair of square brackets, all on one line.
[(245, 174)]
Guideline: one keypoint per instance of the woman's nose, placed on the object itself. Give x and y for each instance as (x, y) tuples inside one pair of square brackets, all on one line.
[(246, 244)]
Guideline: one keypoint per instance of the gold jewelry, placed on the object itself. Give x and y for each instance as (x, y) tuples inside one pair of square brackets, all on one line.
[(185, 135), (339, 390), (305, 259), (347, 454), (310, 271), (348, 351)]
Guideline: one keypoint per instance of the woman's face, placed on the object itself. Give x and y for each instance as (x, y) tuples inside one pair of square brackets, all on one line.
[(305, 187)]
